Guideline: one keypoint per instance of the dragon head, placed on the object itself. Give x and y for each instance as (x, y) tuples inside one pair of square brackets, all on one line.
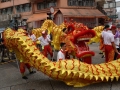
[(77, 39)]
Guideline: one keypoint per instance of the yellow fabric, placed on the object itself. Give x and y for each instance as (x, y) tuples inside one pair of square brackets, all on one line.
[(73, 72), (38, 42), (21, 60), (98, 31), (42, 47)]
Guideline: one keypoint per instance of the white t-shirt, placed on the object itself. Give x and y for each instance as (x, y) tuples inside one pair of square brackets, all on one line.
[(117, 39), (60, 55), (48, 35), (108, 37), (117, 42), (44, 41), (33, 37), (103, 32)]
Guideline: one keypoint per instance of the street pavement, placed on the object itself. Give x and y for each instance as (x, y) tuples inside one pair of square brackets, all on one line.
[(10, 78)]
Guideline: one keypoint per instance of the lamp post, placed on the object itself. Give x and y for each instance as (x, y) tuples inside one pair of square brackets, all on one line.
[(15, 21)]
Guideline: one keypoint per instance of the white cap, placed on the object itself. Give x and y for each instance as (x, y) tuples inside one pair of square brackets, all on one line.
[(43, 32)]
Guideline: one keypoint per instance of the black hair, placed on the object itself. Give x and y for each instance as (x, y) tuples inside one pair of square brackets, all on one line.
[(64, 29), (106, 26), (62, 44)]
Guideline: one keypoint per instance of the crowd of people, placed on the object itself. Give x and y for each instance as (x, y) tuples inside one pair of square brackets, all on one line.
[(110, 39), (45, 42)]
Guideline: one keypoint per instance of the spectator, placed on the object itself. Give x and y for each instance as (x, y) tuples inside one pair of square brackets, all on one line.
[(4, 50), (101, 47), (32, 36), (61, 53), (109, 45), (45, 43), (116, 34)]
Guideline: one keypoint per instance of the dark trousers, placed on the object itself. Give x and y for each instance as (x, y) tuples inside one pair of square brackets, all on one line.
[(116, 55), (4, 51)]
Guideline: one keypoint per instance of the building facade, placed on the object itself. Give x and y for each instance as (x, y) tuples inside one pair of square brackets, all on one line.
[(32, 13), (110, 9), (83, 11), (10, 9)]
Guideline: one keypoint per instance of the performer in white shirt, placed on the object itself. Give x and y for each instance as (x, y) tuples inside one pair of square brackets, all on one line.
[(48, 35), (34, 39), (116, 34), (117, 40), (32, 36), (101, 47), (109, 45), (61, 53), (45, 43)]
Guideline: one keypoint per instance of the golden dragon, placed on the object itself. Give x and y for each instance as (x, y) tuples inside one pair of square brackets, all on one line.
[(98, 30), (73, 72)]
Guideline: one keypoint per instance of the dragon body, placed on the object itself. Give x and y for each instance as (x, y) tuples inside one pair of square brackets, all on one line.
[(73, 72), (76, 39), (98, 30)]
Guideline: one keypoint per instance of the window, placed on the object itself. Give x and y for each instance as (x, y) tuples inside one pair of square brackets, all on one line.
[(81, 3), (9, 10), (27, 7), (5, 1), (17, 9), (44, 5), (23, 8), (69, 2), (4, 11)]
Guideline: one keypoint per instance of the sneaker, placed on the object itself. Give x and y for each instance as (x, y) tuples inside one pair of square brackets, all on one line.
[(32, 72), (24, 77), (103, 56)]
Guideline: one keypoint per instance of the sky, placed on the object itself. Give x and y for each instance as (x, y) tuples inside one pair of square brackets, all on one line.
[(118, 8)]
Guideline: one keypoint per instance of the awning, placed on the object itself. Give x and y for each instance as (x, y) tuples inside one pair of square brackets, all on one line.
[(82, 13), (37, 17)]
